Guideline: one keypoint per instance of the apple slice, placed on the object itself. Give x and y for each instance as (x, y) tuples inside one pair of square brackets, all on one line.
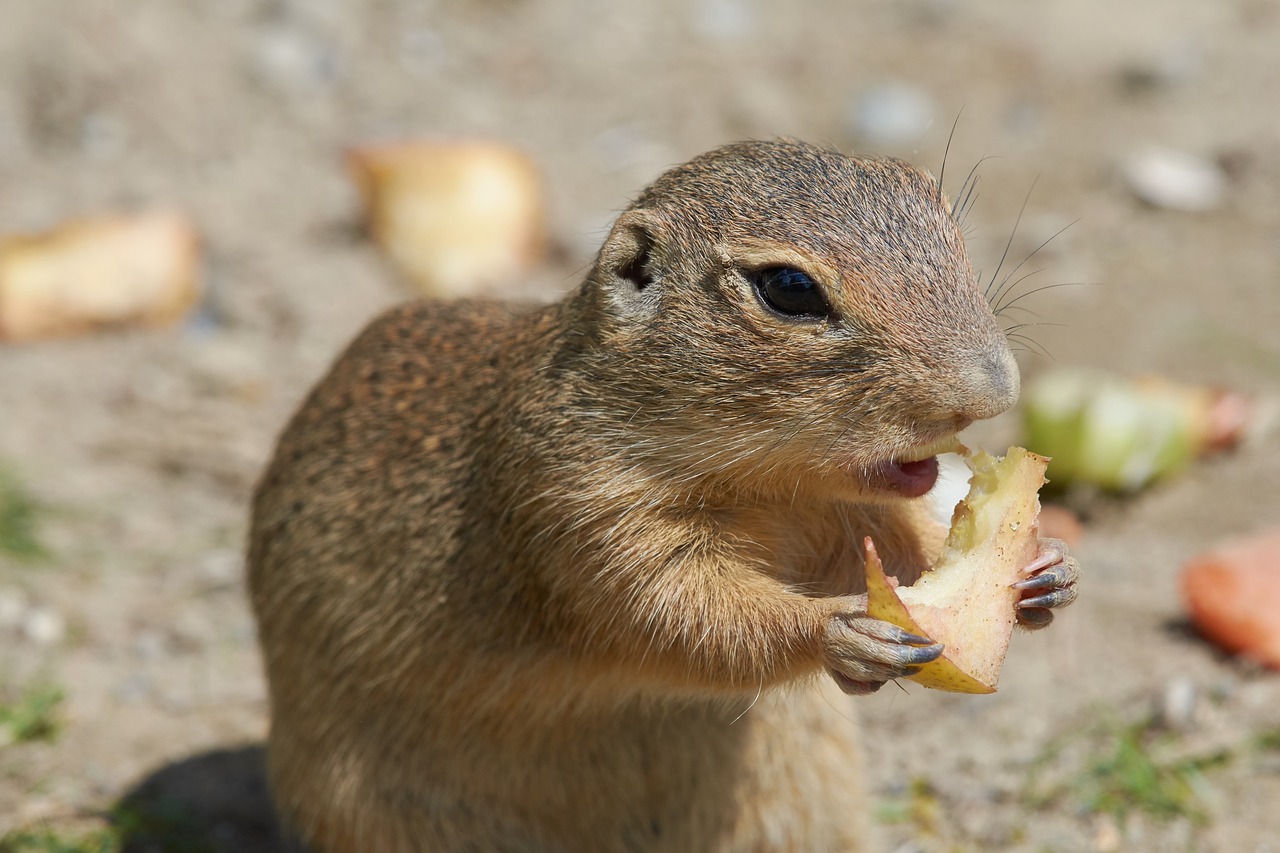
[(966, 601)]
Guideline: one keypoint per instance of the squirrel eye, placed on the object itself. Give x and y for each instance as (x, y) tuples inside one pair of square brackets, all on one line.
[(791, 291)]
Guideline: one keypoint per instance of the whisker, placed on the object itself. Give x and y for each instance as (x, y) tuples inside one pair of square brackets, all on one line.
[(1051, 238), (986, 291), (970, 195), (1036, 347), (1023, 296), (966, 189), (1006, 287), (942, 173), (1024, 308), (1030, 325)]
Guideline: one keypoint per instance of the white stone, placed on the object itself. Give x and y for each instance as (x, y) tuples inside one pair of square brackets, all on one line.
[(1175, 180), (892, 115), (103, 137), (1178, 704), (221, 569), (150, 646), (723, 20), (292, 61), (44, 626)]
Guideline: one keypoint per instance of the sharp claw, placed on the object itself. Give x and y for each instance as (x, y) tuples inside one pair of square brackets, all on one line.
[(910, 639), (1034, 618), (922, 654), (1056, 598), (1052, 552), (1041, 562), (1040, 581)]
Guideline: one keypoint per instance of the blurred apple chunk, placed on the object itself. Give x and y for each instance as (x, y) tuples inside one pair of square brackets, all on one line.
[(1121, 434), (454, 216), (1233, 596), (94, 273)]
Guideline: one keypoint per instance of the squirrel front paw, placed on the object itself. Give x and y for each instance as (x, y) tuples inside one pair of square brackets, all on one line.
[(863, 653), (1050, 583)]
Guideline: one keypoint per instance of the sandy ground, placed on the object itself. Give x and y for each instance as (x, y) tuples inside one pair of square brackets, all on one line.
[(140, 448)]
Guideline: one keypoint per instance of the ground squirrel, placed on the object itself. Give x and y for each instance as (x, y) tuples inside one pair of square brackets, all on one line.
[(586, 576)]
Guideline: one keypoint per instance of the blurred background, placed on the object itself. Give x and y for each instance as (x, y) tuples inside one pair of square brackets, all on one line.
[(131, 697)]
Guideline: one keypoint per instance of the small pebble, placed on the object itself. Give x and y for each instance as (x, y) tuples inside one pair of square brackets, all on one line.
[(628, 146), (723, 20), (150, 646), (135, 688), (326, 15), (1222, 690), (44, 626), (934, 13), (1179, 703), (103, 137), (892, 115), (221, 569), (1024, 116), (423, 51), (1179, 65), (292, 62), (1175, 180)]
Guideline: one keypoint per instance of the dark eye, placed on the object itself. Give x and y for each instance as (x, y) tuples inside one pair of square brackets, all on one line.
[(791, 291)]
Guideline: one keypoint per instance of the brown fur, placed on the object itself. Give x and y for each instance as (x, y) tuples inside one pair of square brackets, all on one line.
[(564, 578)]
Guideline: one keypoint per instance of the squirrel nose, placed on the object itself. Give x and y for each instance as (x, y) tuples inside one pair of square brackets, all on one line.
[(992, 383)]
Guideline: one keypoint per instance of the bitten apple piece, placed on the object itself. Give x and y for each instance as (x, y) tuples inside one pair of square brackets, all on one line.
[(967, 601)]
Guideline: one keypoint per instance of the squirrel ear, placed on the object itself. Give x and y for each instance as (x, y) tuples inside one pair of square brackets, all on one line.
[(626, 263)]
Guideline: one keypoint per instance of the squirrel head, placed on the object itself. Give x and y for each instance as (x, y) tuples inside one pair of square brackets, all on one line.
[(774, 310)]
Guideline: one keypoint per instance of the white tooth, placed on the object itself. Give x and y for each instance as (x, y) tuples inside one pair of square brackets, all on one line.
[(950, 444)]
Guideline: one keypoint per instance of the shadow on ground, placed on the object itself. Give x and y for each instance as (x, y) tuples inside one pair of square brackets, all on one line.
[(216, 802)]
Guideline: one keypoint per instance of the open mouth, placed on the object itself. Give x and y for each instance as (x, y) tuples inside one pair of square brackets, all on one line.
[(913, 473)]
